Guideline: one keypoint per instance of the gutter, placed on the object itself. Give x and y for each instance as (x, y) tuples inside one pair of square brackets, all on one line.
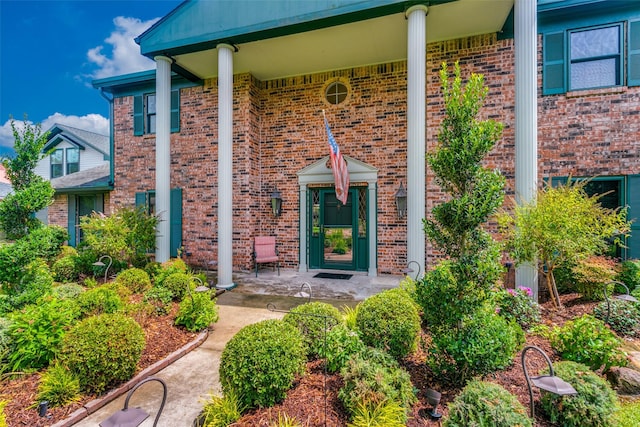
[(111, 144)]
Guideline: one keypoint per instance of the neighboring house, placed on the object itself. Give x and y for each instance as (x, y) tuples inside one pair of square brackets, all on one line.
[(5, 184), (78, 166), (233, 113)]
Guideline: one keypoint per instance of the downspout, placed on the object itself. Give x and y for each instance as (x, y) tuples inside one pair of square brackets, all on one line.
[(111, 145)]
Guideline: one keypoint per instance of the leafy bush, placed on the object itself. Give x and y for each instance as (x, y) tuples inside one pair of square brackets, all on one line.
[(314, 320), (197, 312), (482, 403), (342, 343), (628, 415), (5, 340), (167, 268), (389, 321), (623, 317), (591, 274), (67, 291), (629, 274), (518, 305), (481, 345), (103, 350), (221, 411), (261, 361), (44, 242), (588, 340), (177, 284), (35, 283), (136, 279), (349, 316), (18, 207), (372, 377), (383, 414), (160, 298), (98, 301), (594, 404), (64, 269), (37, 332), (58, 386)]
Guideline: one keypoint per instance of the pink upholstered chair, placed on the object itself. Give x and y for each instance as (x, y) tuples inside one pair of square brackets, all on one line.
[(264, 251)]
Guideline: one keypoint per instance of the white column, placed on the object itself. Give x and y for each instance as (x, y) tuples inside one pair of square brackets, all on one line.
[(225, 166), (302, 263), (372, 228), (416, 124), (163, 156), (526, 121)]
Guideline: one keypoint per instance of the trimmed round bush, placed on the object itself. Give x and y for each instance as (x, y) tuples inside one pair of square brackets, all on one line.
[(98, 301), (65, 270), (314, 320), (482, 403), (103, 350), (135, 279), (389, 321), (261, 361), (372, 377), (483, 344), (342, 343), (594, 404), (177, 284)]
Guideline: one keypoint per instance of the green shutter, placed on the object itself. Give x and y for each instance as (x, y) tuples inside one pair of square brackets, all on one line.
[(633, 44), (175, 222), (633, 214), (71, 219), (175, 110), (141, 200), (553, 69), (138, 115)]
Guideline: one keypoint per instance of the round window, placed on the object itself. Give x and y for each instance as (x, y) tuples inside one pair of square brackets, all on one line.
[(336, 93)]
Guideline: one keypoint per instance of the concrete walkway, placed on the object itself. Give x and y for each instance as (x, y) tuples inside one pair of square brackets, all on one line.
[(191, 378)]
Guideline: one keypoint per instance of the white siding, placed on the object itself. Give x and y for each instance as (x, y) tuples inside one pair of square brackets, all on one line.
[(89, 158)]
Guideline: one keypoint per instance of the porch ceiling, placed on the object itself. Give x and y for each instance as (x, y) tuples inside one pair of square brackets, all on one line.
[(373, 41)]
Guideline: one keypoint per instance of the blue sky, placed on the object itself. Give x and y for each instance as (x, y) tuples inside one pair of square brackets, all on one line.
[(51, 50)]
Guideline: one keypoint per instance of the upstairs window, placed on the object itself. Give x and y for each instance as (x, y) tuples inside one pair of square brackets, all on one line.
[(56, 163), (144, 113), (73, 160), (150, 113)]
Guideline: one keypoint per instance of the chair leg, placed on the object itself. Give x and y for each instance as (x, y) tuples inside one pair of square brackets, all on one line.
[(256, 269), (278, 265)]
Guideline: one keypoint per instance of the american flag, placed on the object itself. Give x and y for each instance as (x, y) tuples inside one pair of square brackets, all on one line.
[(339, 166)]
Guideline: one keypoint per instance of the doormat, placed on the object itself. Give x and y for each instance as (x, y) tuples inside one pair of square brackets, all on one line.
[(333, 276)]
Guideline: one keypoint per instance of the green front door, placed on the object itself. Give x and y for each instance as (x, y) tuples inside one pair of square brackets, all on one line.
[(337, 232), (82, 205)]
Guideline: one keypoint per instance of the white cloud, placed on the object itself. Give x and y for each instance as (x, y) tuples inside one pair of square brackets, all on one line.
[(122, 56), (91, 122)]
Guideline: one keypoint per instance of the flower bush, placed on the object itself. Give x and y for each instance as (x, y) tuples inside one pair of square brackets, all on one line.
[(622, 316), (518, 305)]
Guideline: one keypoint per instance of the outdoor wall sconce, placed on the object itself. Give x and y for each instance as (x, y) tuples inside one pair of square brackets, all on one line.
[(401, 201), (99, 263), (549, 383), (408, 269), (433, 398), (134, 417), (276, 203), (622, 297)]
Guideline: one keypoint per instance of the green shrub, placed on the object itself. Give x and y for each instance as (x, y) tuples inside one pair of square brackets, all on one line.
[(44, 242), (5, 340), (628, 415), (160, 298), (98, 301), (35, 283), (37, 332), (389, 321), (197, 312), (103, 350), (261, 361), (177, 284), (594, 404), (285, 421), (623, 317), (372, 377), (313, 320), (349, 316), (518, 305), (3, 417), (64, 269), (591, 274), (136, 279), (221, 411), (67, 290), (482, 403), (629, 274), (342, 343), (58, 386), (481, 345), (383, 414), (167, 268), (588, 340)]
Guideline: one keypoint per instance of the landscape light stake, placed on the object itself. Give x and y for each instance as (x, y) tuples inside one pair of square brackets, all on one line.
[(622, 297), (99, 263), (408, 269)]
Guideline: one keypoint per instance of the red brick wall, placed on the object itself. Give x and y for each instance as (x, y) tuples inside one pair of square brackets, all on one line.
[(58, 211), (278, 130)]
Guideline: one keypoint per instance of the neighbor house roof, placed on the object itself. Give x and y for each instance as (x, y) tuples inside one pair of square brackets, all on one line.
[(5, 189), (78, 137), (97, 178)]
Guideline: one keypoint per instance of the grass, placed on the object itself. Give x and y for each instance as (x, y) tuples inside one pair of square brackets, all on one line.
[(629, 414)]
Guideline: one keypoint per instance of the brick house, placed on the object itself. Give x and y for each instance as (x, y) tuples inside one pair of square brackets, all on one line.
[(233, 115)]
